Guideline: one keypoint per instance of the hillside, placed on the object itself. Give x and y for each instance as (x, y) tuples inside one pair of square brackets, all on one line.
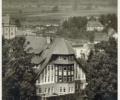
[(64, 2)]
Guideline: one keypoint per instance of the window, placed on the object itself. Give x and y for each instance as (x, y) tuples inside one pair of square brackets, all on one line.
[(72, 89), (68, 78), (45, 90), (39, 79), (65, 57), (69, 89), (82, 74), (48, 90), (52, 89), (60, 57), (11, 33), (60, 89), (72, 57), (52, 68), (45, 79), (65, 79), (72, 78), (40, 90), (48, 78), (72, 68), (52, 78), (48, 68), (60, 67), (65, 68), (56, 68), (64, 89), (77, 86), (68, 68), (60, 78)]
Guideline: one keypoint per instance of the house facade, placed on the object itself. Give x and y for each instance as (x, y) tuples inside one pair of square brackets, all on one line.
[(8, 30), (83, 50), (94, 26), (59, 72)]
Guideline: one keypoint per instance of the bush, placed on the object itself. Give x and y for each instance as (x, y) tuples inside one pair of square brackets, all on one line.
[(74, 96)]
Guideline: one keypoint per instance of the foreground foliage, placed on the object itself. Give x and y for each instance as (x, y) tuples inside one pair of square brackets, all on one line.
[(18, 78), (102, 72)]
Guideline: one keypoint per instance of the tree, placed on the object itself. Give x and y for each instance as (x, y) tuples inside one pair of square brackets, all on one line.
[(83, 62), (109, 20), (65, 24), (102, 72), (91, 37), (55, 9), (17, 23), (18, 78), (90, 55)]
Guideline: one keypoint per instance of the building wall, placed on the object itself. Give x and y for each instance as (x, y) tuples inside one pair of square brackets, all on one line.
[(9, 32), (81, 52), (56, 88), (49, 82), (94, 28), (47, 76)]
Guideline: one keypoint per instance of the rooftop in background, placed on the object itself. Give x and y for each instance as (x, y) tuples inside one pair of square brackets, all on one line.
[(111, 32), (101, 36), (36, 44), (94, 24), (6, 19), (63, 47)]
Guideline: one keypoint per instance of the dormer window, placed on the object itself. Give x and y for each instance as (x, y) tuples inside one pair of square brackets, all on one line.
[(60, 57), (48, 68), (65, 57), (40, 90), (65, 68), (11, 33)]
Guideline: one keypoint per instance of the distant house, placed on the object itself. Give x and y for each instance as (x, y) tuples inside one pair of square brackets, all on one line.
[(48, 28), (82, 50), (65, 8), (8, 29), (51, 28), (100, 36), (58, 70), (29, 32), (112, 33), (94, 25)]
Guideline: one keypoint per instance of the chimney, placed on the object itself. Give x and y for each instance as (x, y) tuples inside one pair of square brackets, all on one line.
[(48, 40)]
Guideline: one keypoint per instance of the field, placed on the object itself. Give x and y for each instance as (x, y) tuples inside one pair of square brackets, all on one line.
[(36, 12)]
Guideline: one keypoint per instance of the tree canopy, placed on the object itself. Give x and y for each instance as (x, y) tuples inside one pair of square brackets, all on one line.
[(102, 71), (109, 20), (18, 77)]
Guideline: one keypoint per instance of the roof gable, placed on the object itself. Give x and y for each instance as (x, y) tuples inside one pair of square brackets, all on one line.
[(62, 47), (94, 24), (36, 43)]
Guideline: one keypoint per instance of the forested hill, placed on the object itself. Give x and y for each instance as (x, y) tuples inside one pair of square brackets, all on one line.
[(46, 1)]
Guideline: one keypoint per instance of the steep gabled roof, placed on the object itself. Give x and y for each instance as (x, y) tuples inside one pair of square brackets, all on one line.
[(111, 32), (57, 47), (94, 24), (48, 56), (101, 37), (63, 62), (37, 60), (36, 44), (63, 48)]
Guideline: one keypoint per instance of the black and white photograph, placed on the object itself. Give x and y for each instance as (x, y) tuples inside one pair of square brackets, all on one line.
[(59, 49)]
